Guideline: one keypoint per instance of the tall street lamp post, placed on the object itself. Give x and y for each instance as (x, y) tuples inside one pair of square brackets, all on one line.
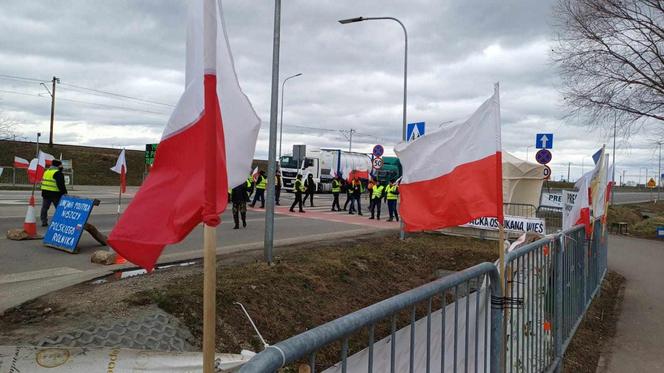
[(281, 121), (405, 72)]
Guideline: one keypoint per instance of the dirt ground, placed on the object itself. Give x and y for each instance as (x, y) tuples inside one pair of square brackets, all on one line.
[(597, 328), (642, 218), (308, 285)]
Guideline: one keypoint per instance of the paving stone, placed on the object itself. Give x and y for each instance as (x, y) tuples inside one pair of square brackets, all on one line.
[(158, 331)]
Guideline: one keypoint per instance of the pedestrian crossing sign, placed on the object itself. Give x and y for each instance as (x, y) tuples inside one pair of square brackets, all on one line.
[(414, 130)]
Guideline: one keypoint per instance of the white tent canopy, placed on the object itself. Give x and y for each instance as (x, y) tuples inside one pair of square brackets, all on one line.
[(522, 180)]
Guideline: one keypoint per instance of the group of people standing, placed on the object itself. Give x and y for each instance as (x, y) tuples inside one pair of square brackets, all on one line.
[(305, 189), (377, 193)]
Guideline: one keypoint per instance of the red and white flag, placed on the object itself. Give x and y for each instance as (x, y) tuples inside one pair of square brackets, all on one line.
[(37, 166), (454, 174), (20, 162), (121, 168), (580, 211), (208, 144), (255, 173)]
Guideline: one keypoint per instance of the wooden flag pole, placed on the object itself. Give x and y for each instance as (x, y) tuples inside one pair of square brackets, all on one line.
[(119, 202), (209, 297), (501, 255)]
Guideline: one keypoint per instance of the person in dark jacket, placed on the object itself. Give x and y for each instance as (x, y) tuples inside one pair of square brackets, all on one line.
[(345, 187), (240, 197), (277, 188), (310, 186), (357, 190), (52, 189)]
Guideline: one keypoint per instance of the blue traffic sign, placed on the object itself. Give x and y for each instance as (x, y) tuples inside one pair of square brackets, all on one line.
[(543, 156), (544, 141), (660, 232), (378, 151), (414, 130), (70, 217)]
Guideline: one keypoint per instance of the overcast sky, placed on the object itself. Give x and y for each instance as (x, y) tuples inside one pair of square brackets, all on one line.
[(352, 74)]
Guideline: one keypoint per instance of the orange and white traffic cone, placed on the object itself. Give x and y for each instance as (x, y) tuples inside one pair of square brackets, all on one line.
[(30, 223), (119, 259)]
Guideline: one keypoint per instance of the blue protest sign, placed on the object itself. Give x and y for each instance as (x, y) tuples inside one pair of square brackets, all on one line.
[(70, 217), (414, 130), (544, 141)]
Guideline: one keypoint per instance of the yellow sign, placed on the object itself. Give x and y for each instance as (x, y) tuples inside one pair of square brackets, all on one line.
[(651, 183)]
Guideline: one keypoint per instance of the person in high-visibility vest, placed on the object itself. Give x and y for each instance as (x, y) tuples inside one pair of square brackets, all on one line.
[(392, 196), (299, 189), (370, 186), (336, 189), (52, 189), (261, 184), (376, 197)]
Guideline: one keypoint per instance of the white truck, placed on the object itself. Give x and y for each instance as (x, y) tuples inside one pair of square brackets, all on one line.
[(323, 164)]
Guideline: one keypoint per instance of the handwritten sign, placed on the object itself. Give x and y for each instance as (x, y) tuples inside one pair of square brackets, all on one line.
[(70, 217)]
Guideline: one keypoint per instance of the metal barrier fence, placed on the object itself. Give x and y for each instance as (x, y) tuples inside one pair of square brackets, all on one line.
[(549, 285), (460, 320), (14, 176), (552, 283), (553, 217), (519, 209)]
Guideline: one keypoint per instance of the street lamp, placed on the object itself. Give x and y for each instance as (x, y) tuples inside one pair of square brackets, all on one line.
[(405, 75), (281, 123), (527, 148), (405, 59)]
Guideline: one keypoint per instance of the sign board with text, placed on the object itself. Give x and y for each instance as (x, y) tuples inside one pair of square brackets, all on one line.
[(150, 151), (68, 223), (516, 224), (551, 200)]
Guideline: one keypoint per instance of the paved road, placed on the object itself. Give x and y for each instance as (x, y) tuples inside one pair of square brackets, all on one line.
[(639, 340)]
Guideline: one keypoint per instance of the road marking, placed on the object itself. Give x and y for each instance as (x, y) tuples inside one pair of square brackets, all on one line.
[(39, 274)]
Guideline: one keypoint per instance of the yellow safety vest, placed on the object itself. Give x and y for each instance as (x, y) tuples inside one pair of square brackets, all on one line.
[(336, 186), (377, 191), (299, 186), (249, 181), (391, 192), (262, 183), (48, 182)]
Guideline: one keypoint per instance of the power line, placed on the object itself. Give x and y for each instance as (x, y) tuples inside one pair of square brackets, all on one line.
[(14, 77), (115, 94)]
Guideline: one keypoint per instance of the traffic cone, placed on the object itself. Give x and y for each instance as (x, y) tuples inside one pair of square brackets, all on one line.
[(30, 223), (119, 259)]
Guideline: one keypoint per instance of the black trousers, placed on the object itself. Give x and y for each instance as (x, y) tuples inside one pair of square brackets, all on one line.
[(298, 201), (46, 204), (375, 207), (392, 208), (260, 195), (335, 202), (357, 199), (277, 194), (349, 199), (311, 198)]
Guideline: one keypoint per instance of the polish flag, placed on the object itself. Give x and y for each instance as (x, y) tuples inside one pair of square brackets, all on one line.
[(580, 212), (208, 144), (20, 162), (255, 173), (454, 174), (121, 168), (37, 166)]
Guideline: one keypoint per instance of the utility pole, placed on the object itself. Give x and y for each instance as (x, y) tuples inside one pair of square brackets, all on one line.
[(659, 170), (613, 172), (569, 165), (350, 140), (52, 93)]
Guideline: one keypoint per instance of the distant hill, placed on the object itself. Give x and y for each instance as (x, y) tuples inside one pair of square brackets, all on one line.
[(91, 164)]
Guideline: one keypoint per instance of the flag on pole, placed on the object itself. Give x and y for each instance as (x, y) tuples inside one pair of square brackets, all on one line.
[(121, 168), (454, 174), (580, 211), (37, 166), (208, 144), (20, 162), (255, 173)]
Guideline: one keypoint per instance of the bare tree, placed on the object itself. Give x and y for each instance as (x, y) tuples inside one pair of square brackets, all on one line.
[(7, 128), (611, 56)]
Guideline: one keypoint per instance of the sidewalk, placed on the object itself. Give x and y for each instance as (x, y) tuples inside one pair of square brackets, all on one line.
[(639, 342)]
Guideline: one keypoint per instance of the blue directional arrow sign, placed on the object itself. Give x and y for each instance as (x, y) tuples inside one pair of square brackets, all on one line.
[(414, 130), (544, 141)]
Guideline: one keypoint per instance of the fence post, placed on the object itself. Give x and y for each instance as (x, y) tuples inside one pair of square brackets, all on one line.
[(13, 176), (558, 329)]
